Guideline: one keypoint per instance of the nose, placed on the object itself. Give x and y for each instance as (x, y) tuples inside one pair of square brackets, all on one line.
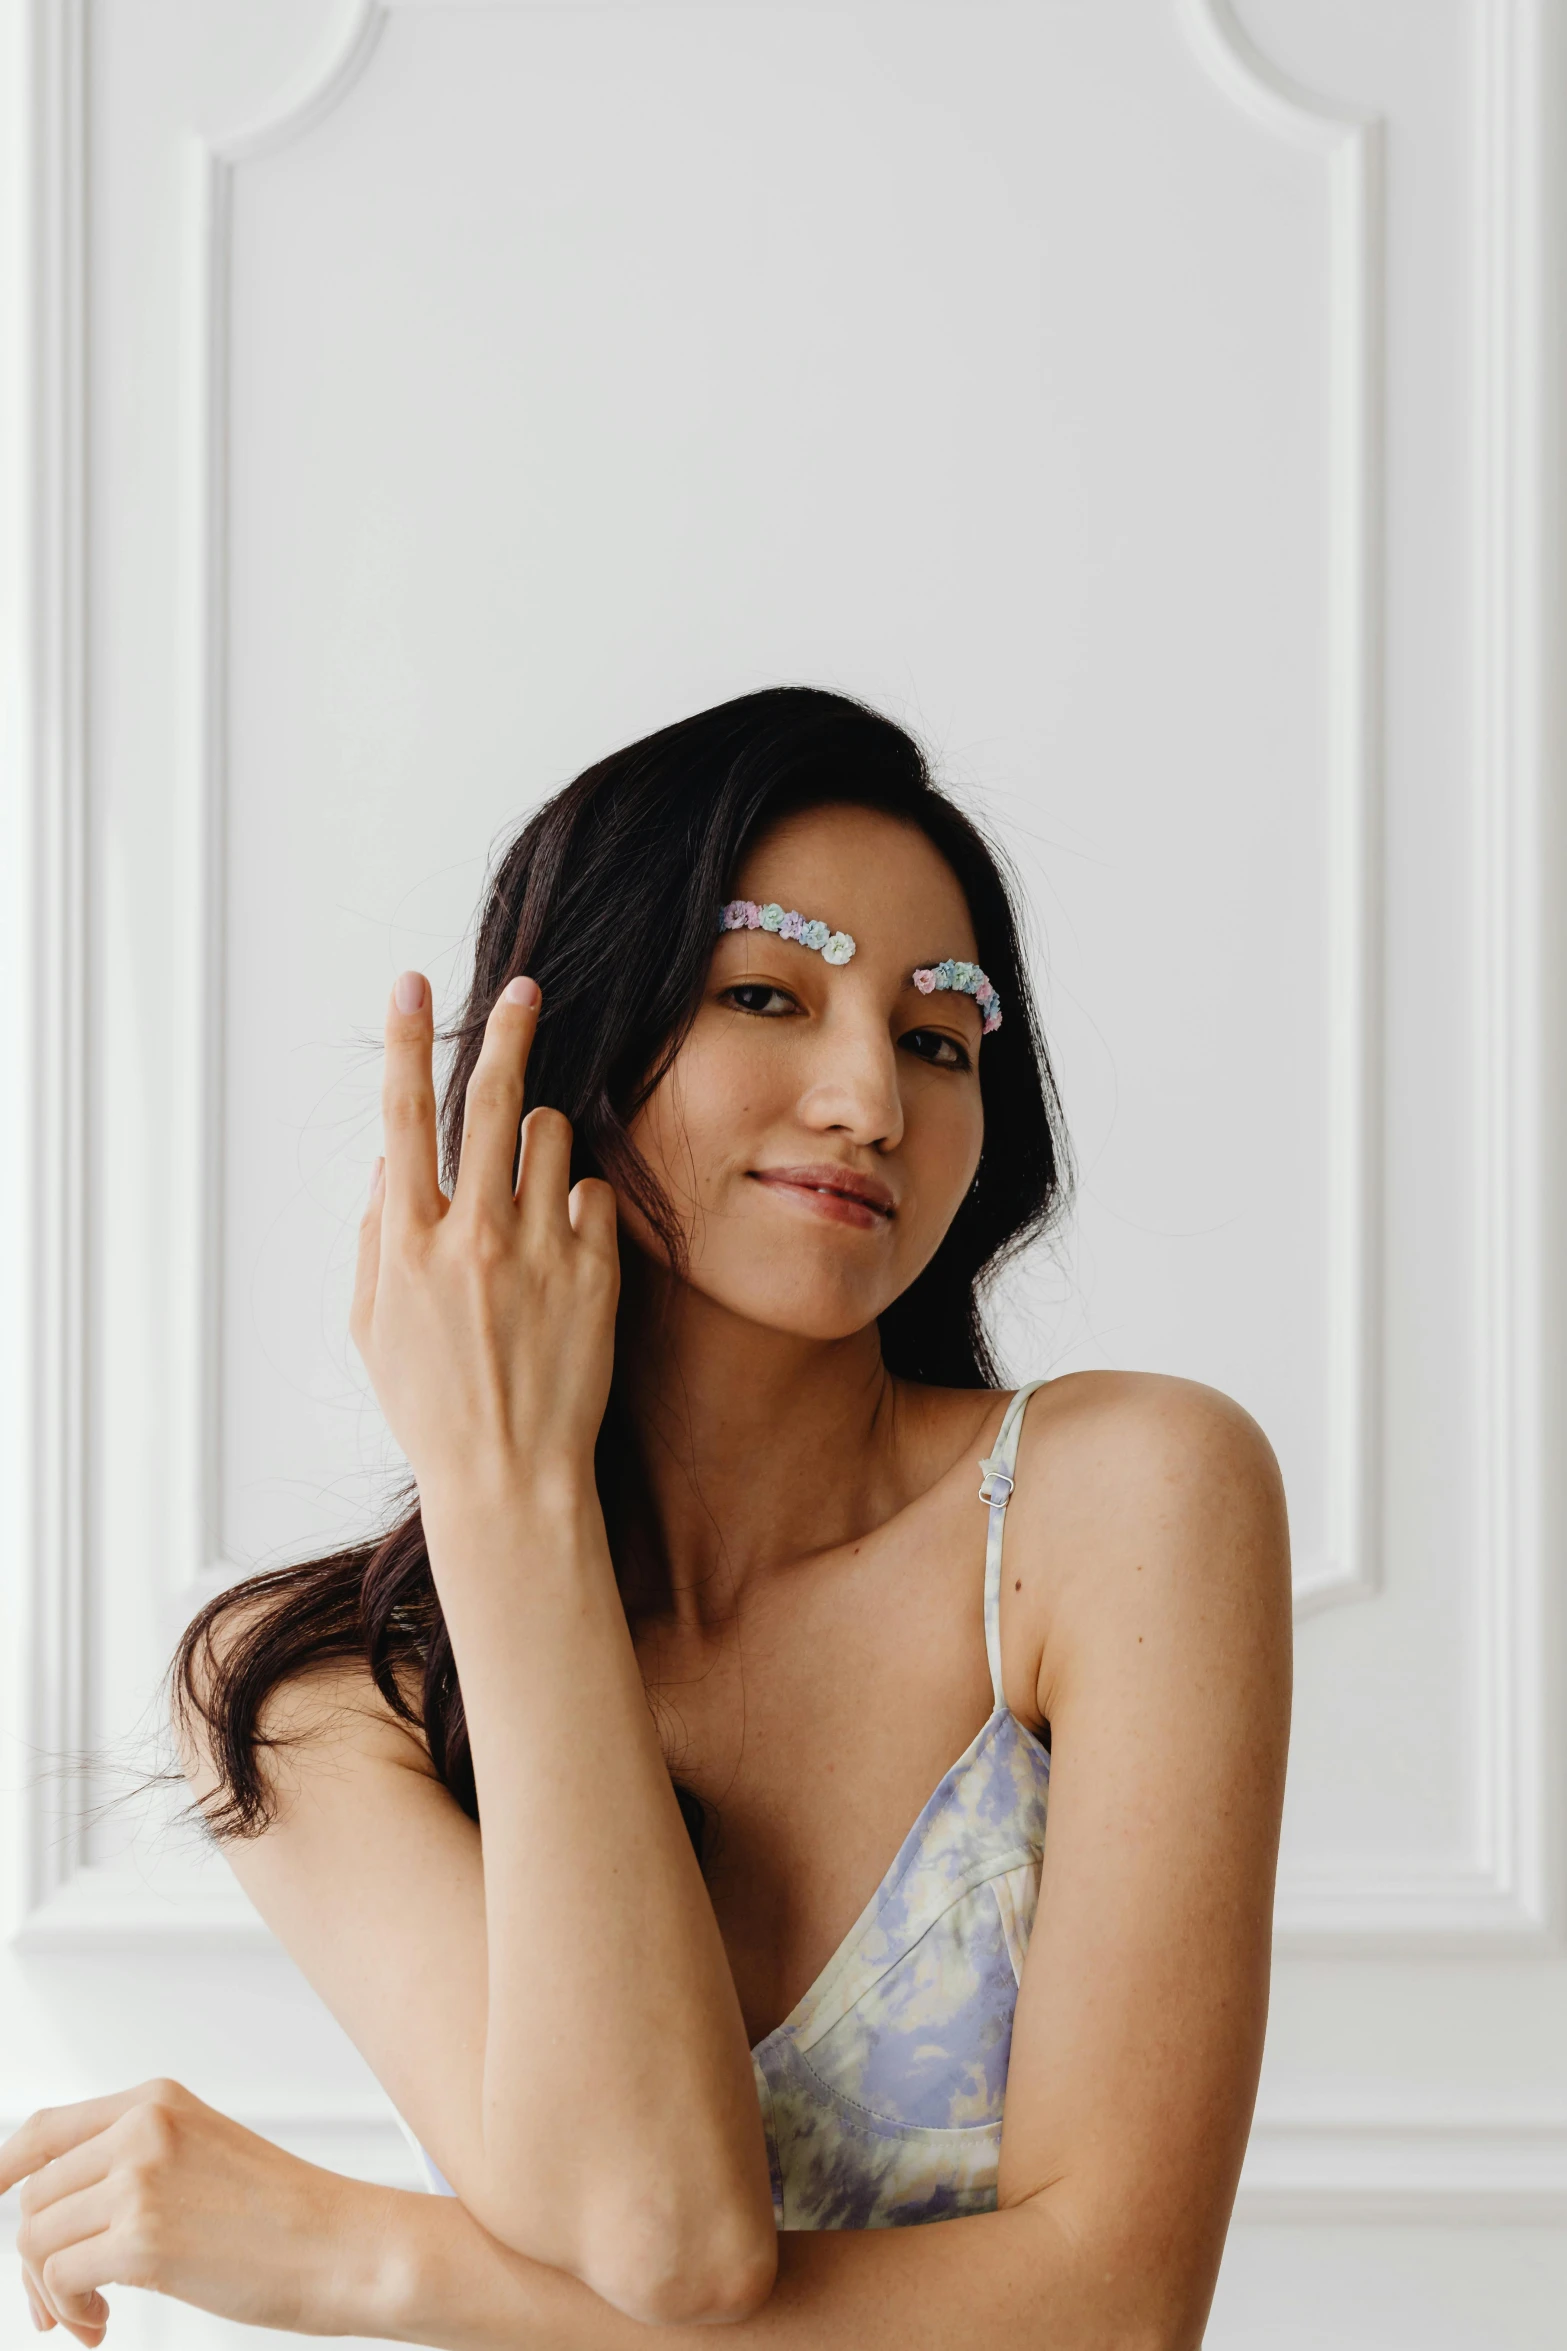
[(853, 1088)]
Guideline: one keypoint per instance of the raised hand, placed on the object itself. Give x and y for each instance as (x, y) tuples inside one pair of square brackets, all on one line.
[(486, 1321)]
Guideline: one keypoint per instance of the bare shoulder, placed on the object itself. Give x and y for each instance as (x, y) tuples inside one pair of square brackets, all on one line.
[(1099, 1428), (1144, 1500), (331, 1709)]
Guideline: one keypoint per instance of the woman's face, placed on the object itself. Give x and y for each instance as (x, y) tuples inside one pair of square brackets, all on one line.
[(820, 1125)]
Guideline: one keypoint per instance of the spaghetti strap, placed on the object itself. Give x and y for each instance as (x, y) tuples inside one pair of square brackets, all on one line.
[(995, 1488)]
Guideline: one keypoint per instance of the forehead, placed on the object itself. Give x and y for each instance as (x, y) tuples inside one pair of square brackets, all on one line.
[(863, 872)]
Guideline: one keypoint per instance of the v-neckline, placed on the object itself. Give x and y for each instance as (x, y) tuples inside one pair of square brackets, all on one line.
[(810, 1999), (827, 1975)]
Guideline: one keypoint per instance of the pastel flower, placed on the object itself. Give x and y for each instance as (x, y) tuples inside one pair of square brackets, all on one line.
[(836, 947)]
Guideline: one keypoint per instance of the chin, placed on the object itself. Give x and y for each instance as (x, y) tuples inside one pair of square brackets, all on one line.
[(796, 1311)]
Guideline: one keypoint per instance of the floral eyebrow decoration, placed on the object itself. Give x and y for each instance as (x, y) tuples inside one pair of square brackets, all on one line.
[(968, 980), (744, 914)]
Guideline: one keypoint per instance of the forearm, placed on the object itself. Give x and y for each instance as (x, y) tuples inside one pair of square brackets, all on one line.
[(619, 2109), (1009, 2276)]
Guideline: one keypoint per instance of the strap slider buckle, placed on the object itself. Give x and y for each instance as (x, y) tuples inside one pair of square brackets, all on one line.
[(996, 1483)]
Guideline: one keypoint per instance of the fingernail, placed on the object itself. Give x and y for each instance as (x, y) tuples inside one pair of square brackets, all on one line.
[(409, 992), (521, 990), (377, 1178), (38, 2317)]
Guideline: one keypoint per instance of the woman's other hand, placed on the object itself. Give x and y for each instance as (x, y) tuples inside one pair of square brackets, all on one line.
[(153, 2188), (486, 1321)]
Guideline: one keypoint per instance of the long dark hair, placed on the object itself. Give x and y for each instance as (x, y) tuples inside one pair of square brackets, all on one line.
[(607, 896)]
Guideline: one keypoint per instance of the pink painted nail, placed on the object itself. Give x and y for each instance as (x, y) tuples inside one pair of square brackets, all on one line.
[(377, 1179), (521, 990), (409, 992)]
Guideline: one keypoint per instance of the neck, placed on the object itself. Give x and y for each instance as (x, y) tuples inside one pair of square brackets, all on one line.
[(758, 1446)]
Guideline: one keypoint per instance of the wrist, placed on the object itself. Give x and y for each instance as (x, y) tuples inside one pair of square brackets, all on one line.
[(377, 2262), (555, 1499)]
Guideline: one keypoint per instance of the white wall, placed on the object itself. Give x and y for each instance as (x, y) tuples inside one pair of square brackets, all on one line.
[(1158, 406)]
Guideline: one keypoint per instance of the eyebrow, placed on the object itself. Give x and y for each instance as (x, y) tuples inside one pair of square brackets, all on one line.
[(961, 993)]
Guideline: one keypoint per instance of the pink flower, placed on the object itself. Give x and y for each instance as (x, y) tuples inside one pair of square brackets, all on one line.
[(925, 981), (753, 915)]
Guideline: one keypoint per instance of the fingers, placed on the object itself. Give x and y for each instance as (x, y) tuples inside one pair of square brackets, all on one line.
[(492, 1106), (591, 1208), (544, 1177), (368, 1264), (53, 2130), (408, 1112), (63, 2248), (58, 2150)]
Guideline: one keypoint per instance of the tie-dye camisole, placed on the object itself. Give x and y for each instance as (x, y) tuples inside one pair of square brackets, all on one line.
[(883, 2089)]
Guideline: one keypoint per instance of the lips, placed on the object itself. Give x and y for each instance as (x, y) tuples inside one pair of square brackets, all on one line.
[(856, 1198)]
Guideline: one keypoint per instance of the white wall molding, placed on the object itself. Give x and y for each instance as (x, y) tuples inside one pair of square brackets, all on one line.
[(1519, 248), (103, 1908), (64, 1901), (1350, 141), (209, 166), (1496, 1896), (1498, 2169), (56, 962)]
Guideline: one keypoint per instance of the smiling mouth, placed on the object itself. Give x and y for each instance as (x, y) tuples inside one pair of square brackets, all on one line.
[(850, 1198)]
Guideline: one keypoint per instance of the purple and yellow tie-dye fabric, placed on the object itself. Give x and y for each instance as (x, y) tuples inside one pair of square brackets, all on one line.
[(882, 2091)]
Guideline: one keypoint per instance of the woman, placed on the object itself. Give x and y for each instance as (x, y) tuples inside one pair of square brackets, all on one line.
[(692, 1380)]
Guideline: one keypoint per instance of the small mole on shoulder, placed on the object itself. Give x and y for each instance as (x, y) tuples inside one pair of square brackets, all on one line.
[(1018, 1586)]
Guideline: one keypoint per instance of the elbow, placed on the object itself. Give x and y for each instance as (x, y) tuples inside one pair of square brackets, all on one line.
[(652, 2268)]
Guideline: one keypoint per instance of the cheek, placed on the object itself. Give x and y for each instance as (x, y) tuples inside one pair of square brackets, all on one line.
[(693, 1128), (944, 1129)]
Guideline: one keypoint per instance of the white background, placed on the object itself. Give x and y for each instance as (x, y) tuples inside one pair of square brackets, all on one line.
[(1157, 407)]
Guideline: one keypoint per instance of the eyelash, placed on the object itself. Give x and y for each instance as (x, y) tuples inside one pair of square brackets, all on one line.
[(764, 988)]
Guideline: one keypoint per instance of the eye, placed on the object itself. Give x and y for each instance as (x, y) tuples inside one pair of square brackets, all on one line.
[(759, 996), (936, 1047)]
